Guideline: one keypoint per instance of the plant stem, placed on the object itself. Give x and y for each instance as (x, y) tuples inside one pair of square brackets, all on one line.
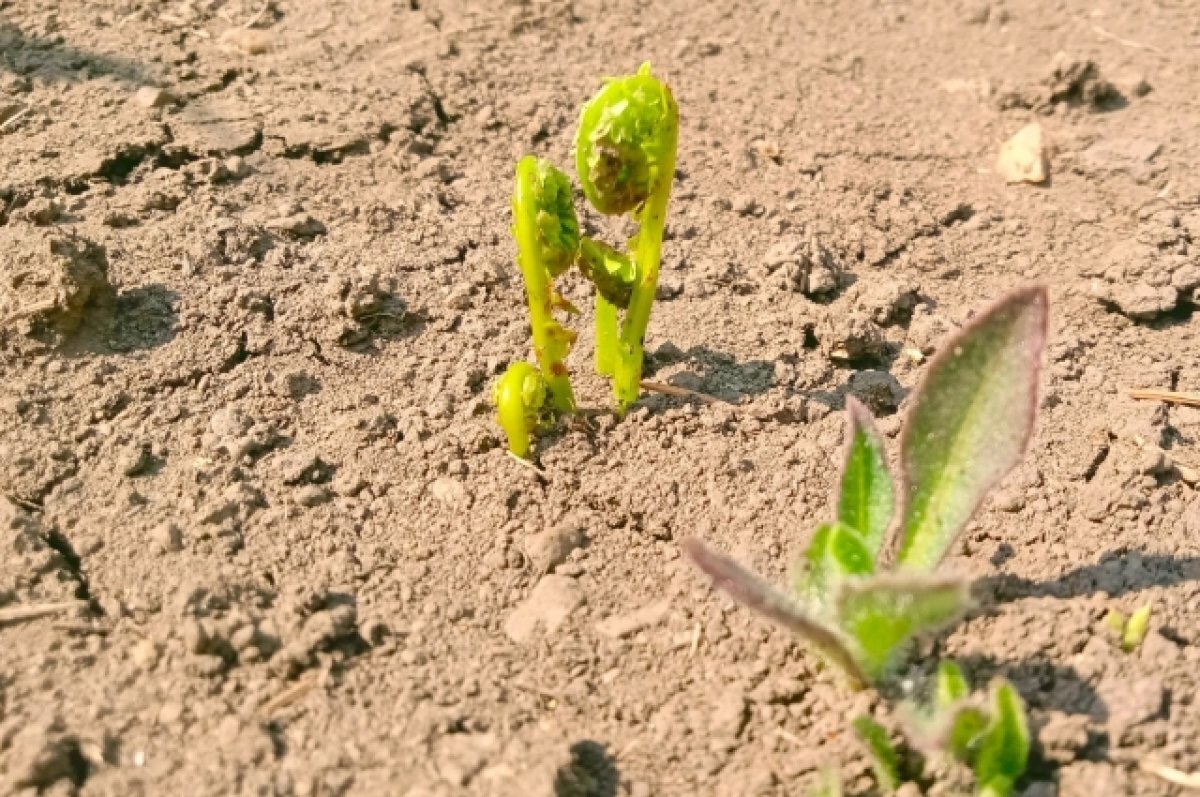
[(647, 253), (606, 336), (550, 340)]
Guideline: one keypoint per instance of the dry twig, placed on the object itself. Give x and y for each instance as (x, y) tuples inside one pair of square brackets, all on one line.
[(1188, 780), (1169, 396), (679, 392), (19, 614)]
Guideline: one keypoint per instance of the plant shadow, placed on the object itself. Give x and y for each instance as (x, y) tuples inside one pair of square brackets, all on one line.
[(1044, 684), (710, 372), (133, 320), (53, 59), (1117, 573), (592, 772)]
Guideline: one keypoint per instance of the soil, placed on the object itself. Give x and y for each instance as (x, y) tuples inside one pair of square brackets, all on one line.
[(258, 280)]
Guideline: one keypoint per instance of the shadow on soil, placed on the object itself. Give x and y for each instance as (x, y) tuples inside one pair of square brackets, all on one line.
[(1117, 573), (714, 373), (51, 59), (1043, 683), (591, 773)]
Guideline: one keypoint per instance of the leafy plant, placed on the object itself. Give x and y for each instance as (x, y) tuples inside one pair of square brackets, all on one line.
[(992, 737), (625, 156), (866, 587)]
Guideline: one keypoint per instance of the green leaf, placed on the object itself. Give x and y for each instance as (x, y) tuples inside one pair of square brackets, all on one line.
[(836, 552), (970, 422), (752, 592), (884, 758), (964, 732), (1004, 749), (885, 612), (951, 686), (866, 497)]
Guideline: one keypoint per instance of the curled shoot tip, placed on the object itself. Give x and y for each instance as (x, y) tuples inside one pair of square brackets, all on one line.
[(547, 233), (612, 272), (625, 148), (551, 201), (519, 397)]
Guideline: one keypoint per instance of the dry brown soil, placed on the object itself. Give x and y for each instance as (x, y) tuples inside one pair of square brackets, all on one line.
[(257, 281)]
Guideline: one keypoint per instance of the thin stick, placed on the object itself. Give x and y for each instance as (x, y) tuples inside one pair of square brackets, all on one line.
[(288, 696), (679, 392), (1188, 780), (527, 464), (16, 117), (28, 311), (1169, 396), (1126, 42), (19, 614), (261, 13)]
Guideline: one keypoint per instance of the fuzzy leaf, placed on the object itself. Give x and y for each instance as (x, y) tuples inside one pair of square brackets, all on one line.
[(866, 496), (1004, 750), (884, 758), (752, 592), (883, 613), (970, 422), (951, 686), (836, 551), (964, 731)]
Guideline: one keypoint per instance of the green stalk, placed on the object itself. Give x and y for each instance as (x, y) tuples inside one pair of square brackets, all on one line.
[(647, 253), (551, 341), (607, 333)]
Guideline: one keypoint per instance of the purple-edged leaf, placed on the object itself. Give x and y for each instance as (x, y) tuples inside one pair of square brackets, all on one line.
[(836, 551), (866, 497), (970, 422), (884, 613), (752, 592)]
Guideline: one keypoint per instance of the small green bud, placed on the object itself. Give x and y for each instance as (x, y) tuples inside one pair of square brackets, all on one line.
[(612, 272), (626, 133), (519, 397), (554, 214)]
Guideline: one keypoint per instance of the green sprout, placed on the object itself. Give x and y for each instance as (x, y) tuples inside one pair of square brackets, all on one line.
[(625, 156), (991, 737), (547, 234), (519, 397), (969, 425), (1131, 631)]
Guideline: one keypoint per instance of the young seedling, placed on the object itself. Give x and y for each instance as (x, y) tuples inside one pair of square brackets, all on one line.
[(991, 737), (625, 156), (519, 397), (547, 234), (866, 586), (1131, 631)]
